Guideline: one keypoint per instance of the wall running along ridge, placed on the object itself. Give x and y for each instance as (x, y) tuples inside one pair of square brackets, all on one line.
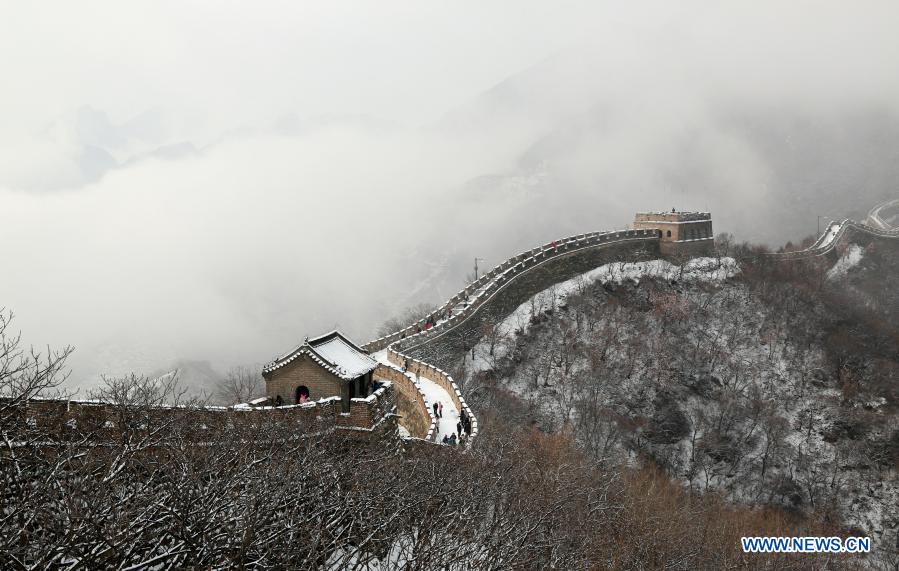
[(823, 246), (422, 352), (530, 272), (517, 279)]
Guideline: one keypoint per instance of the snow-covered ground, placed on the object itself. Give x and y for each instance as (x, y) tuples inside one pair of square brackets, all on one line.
[(434, 393), (802, 404), (848, 261), (695, 270)]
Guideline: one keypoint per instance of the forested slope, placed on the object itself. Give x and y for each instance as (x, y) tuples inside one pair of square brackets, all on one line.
[(777, 385)]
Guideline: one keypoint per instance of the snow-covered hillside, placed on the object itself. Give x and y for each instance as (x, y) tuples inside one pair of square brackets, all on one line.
[(758, 387)]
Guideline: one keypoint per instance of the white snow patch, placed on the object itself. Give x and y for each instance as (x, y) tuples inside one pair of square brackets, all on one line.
[(695, 270), (848, 261)]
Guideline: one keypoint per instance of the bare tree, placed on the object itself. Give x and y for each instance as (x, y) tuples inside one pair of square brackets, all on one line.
[(240, 384), (408, 317)]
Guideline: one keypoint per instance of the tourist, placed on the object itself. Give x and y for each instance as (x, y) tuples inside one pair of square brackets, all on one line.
[(440, 409), (452, 439), (436, 411), (459, 428), (446, 439)]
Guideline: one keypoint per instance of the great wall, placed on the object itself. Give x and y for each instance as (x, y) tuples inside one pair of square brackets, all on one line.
[(416, 354), (526, 274)]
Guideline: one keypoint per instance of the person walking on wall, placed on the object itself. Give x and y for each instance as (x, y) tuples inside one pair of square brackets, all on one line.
[(459, 428), (440, 408), (436, 411)]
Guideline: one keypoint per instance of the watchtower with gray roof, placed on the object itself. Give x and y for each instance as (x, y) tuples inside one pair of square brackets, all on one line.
[(327, 366)]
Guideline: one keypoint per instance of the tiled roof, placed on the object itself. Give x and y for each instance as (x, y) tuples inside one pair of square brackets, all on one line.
[(334, 352)]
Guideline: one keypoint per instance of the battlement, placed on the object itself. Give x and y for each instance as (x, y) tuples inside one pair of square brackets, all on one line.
[(672, 217)]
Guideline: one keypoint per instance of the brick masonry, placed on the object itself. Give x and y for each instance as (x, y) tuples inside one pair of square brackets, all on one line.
[(414, 414), (303, 371)]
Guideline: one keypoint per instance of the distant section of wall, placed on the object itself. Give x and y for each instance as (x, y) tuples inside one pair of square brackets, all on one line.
[(477, 292), (827, 242), (500, 291), (414, 414), (444, 346)]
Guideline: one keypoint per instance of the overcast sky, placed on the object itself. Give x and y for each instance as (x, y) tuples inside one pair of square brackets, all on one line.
[(212, 181)]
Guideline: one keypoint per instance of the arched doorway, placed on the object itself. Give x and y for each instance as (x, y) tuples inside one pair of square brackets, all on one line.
[(302, 394)]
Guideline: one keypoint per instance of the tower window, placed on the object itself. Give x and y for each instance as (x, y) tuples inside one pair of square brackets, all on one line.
[(669, 233)]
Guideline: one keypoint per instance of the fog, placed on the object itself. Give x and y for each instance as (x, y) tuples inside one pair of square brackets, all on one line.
[(203, 184)]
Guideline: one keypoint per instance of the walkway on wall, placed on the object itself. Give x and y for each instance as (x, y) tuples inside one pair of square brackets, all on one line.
[(433, 393)]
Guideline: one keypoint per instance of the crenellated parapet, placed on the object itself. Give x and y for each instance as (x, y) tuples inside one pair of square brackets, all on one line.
[(66, 419)]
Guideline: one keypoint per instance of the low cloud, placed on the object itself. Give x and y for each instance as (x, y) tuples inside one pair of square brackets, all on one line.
[(279, 172)]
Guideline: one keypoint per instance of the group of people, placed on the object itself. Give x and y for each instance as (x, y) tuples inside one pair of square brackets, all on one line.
[(463, 426)]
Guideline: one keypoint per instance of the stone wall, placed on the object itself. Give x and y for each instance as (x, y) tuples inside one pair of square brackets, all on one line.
[(691, 231), (67, 418), (685, 249), (477, 292), (445, 345), (369, 413), (414, 414), (674, 216)]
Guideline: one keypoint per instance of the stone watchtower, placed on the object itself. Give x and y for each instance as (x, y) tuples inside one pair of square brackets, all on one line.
[(682, 233)]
